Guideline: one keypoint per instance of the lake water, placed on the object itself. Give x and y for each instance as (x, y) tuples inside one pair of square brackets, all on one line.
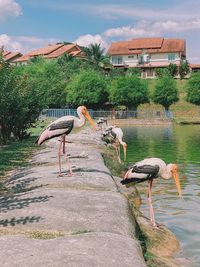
[(174, 144)]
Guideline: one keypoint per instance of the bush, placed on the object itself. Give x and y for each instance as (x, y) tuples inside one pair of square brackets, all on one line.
[(87, 88), (193, 89), (166, 92), (129, 91), (20, 102)]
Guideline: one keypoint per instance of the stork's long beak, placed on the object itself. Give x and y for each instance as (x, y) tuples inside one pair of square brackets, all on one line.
[(125, 147), (87, 115), (175, 175)]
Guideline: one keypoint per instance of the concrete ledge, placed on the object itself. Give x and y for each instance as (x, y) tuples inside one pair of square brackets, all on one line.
[(92, 218)]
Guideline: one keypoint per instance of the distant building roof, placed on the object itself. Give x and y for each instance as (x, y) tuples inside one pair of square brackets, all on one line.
[(10, 56), (194, 66), (51, 51), (150, 45)]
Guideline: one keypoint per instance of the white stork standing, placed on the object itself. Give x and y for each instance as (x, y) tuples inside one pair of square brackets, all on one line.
[(149, 169), (62, 127), (115, 136)]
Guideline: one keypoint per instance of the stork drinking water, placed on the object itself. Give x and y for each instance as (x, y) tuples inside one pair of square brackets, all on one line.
[(115, 136), (149, 169)]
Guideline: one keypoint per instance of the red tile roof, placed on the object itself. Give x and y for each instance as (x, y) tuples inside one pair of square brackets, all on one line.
[(150, 45), (45, 50), (10, 56), (194, 66), (51, 51), (60, 51)]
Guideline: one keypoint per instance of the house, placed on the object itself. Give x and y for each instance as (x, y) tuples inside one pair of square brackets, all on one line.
[(10, 56), (52, 51), (194, 67), (147, 54)]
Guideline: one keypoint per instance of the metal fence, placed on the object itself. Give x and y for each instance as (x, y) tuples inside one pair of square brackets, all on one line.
[(116, 114)]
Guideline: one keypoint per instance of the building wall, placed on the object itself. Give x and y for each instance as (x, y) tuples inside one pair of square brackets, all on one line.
[(133, 60)]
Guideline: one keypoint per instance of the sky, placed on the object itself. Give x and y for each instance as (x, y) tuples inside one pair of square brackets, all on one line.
[(29, 24)]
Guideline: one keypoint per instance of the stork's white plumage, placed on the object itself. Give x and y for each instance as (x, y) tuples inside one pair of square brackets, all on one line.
[(116, 138), (149, 169), (62, 127)]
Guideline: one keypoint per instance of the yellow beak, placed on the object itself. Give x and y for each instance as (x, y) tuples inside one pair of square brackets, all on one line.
[(177, 181), (87, 115)]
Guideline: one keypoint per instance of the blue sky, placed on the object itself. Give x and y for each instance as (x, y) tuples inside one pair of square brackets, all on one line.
[(29, 24)]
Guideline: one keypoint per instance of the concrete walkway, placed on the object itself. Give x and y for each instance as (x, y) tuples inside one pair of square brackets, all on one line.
[(77, 221)]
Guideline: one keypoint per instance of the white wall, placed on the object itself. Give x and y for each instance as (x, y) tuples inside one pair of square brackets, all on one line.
[(158, 57)]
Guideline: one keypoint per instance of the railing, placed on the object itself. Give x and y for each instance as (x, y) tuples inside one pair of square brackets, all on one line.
[(116, 114)]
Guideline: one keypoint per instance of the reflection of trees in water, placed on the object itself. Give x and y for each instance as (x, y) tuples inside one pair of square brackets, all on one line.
[(171, 142)]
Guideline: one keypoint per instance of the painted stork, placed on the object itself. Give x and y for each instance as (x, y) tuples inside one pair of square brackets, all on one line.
[(101, 122), (115, 136), (62, 127), (149, 169)]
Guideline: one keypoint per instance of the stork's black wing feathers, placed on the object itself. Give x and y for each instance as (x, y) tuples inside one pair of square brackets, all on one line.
[(68, 125), (147, 169), (134, 180), (113, 134)]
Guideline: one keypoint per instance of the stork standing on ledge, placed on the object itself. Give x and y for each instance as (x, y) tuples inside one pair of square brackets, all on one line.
[(115, 136), (149, 169), (62, 127)]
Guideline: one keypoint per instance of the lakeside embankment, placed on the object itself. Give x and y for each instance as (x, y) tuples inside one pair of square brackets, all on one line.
[(80, 220)]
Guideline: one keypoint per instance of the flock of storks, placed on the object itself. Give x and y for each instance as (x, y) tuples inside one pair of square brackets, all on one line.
[(144, 170)]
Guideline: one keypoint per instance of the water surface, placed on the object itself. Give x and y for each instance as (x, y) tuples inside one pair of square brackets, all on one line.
[(174, 144)]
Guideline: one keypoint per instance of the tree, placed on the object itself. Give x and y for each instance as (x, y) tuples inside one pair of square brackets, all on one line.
[(134, 72), (161, 72), (20, 102), (193, 89), (87, 88), (49, 79), (184, 69), (129, 91), (173, 69), (94, 53), (166, 92)]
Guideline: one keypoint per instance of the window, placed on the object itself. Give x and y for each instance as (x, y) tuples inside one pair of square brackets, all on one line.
[(171, 57), (117, 60), (130, 56)]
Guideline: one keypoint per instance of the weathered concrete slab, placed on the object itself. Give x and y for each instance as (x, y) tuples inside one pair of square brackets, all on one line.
[(67, 210), (88, 203), (91, 249)]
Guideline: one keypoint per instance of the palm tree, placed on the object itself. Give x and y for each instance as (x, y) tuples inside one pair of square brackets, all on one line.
[(95, 55)]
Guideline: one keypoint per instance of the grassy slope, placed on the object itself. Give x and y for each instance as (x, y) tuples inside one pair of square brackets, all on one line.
[(182, 109), (16, 154)]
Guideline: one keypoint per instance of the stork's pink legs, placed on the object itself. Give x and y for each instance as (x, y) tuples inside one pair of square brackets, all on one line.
[(152, 218), (62, 147), (117, 148)]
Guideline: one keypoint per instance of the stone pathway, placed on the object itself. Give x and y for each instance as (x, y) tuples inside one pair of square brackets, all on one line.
[(75, 221)]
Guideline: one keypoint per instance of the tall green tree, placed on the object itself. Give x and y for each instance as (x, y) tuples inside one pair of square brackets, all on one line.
[(193, 89), (184, 69), (173, 69), (129, 91), (49, 79), (166, 92), (94, 53), (20, 102), (87, 88)]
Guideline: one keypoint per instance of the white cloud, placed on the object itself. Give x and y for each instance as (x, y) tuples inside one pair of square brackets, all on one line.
[(24, 44), (183, 9), (88, 39), (9, 8), (148, 28)]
